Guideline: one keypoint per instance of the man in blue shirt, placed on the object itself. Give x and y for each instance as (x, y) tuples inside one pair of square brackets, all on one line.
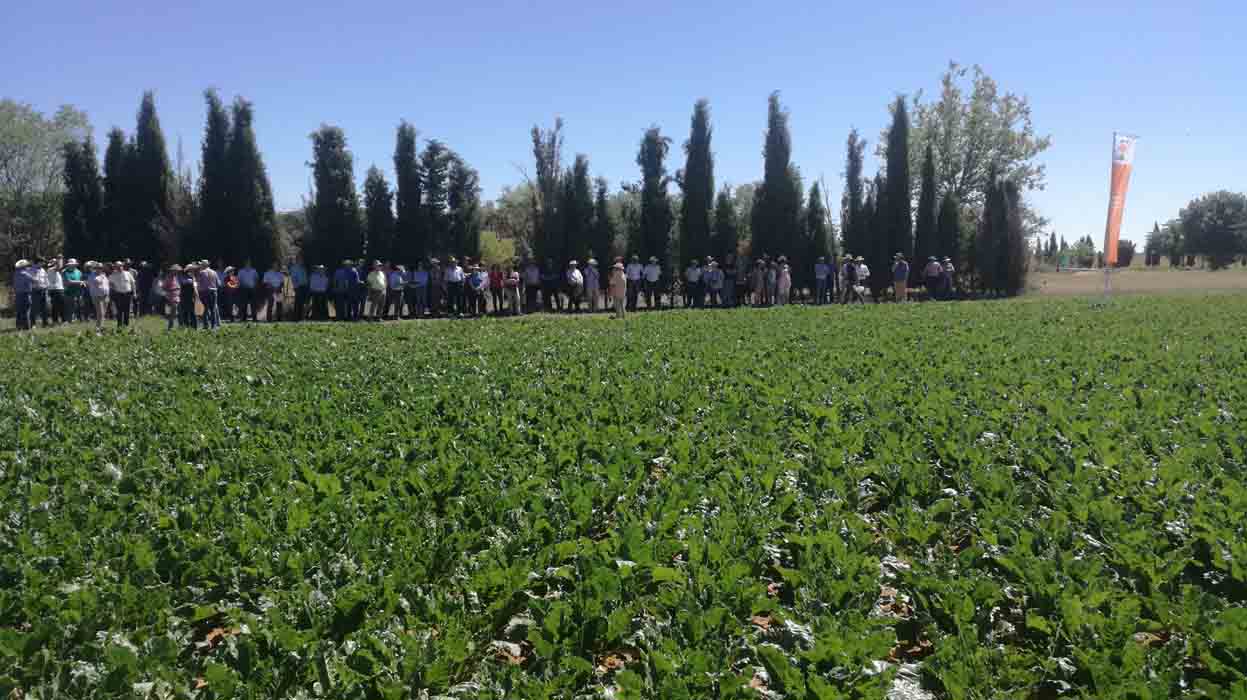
[(248, 278), (22, 285), (318, 289), (299, 280), (900, 277)]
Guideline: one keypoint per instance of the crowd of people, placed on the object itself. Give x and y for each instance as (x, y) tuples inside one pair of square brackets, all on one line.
[(201, 295)]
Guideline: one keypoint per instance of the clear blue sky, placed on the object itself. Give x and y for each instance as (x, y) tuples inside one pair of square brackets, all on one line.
[(479, 75)]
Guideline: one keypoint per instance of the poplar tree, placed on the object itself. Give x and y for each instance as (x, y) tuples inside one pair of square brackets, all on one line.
[(577, 214), (949, 229), (463, 199), (115, 216), (148, 233), (253, 225), (777, 201), (82, 204), (411, 239), (547, 192), (435, 169), (378, 215), (603, 229), (335, 224), (899, 218), (655, 215), (213, 237), (879, 247), (697, 184), (853, 218), (926, 234), (817, 228), (726, 224)]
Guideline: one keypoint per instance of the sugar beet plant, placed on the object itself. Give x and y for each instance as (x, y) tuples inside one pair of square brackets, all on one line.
[(1028, 500)]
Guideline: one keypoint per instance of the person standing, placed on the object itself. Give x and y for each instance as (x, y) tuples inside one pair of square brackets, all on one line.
[(633, 272), (511, 289), (618, 288), (38, 292), (56, 291), (378, 288), (822, 275), (933, 274), (550, 280), (99, 292), (22, 285), (593, 284), (121, 283), (209, 283), (900, 278), (454, 287), (783, 281), (692, 284), (71, 276), (419, 289), (729, 281), (757, 282), (712, 278), (863, 278), (477, 289), (949, 272), (342, 291), (248, 290), (273, 286), (772, 282), (396, 283), (652, 273), (318, 292), (171, 285), (575, 281), (185, 304), (437, 286), (495, 287), (359, 291), (532, 285), (299, 280)]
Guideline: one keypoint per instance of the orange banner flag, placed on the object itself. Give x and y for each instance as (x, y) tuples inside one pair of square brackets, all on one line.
[(1123, 162)]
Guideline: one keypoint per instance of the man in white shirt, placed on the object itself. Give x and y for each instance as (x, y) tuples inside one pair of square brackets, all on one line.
[(633, 272), (454, 286), (39, 292), (653, 273), (121, 288), (575, 286), (822, 272), (248, 279)]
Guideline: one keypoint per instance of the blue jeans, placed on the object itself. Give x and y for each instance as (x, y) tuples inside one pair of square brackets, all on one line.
[(820, 291), (23, 310), (212, 311)]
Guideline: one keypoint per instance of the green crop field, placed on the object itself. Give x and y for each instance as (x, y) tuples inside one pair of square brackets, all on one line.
[(1029, 499)]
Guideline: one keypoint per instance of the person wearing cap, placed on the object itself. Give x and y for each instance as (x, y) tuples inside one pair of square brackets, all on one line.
[(209, 284), (477, 290), (22, 285), (378, 284), (634, 271), (396, 283), (712, 280), (618, 289), (248, 294), (38, 292), (532, 285), (900, 278), (99, 292), (71, 278), (452, 278), (121, 285), (948, 277), (495, 287), (418, 290), (822, 273), (932, 274), (299, 280), (593, 284), (511, 289), (184, 307), (318, 292)]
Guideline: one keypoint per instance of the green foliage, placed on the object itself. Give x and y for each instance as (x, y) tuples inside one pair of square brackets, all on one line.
[(1052, 507), (818, 231), (1125, 252), (83, 202), (463, 198), (853, 225), (696, 182), (577, 214), (776, 217), (411, 238), (146, 197), (726, 239), (926, 233), (378, 215), (949, 230), (253, 222), (547, 192), (899, 217), (336, 233), (655, 216), (1215, 226), (604, 246), (214, 237), (435, 164)]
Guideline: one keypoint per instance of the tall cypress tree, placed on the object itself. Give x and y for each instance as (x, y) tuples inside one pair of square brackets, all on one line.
[(378, 215), (577, 214), (900, 221), (435, 168), (879, 246), (989, 245), (411, 242), (853, 223), (463, 197), (149, 235), (949, 229), (1014, 265), (335, 224), (603, 228), (817, 227), (726, 224), (656, 217), (547, 192), (926, 237), (253, 225), (82, 205), (214, 237), (777, 202), (697, 183), (116, 207)]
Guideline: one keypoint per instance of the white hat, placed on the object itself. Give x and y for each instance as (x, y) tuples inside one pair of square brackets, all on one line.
[(592, 261), (22, 263), (72, 262)]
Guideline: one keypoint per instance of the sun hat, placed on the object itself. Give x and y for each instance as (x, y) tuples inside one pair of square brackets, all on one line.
[(860, 259), (636, 257), (947, 259), (72, 262), (22, 263), (119, 263), (452, 259), (592, 261), (572, 263), (314, 267), (652, 258), (933, 259), (617, 266), (175, 268), (434, 261)]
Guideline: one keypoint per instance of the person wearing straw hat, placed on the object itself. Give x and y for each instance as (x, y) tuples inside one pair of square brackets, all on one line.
[(454, 276), (634, 270), (948, 276), (38, 292), (511, 289), (932, 274), (99, 290), (574, 280), (900, 278), (185, 306), (618, 289), (22, 285), (651, 274), (121, 283), (209, 284), (71, 277), (56, 291), (248, 292), (783, 281), (318, 292), (378, 285)]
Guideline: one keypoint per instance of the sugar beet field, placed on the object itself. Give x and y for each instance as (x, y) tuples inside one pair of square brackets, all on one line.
[(1032, 499)]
